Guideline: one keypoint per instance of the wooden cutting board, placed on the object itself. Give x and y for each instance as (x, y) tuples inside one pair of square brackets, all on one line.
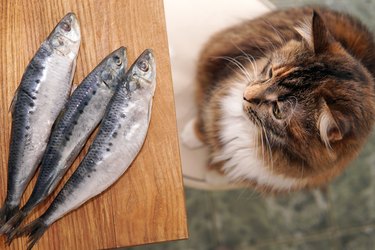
[(147, 203)]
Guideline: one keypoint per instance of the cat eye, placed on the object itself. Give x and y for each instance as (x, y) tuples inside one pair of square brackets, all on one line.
[(276, 111), (270, 72)]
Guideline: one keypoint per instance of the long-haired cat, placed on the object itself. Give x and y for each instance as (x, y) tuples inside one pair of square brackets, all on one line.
[(286, 101)]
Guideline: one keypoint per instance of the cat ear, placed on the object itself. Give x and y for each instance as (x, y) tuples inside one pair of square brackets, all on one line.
[(316, 34), (328, 127), (322, 38)]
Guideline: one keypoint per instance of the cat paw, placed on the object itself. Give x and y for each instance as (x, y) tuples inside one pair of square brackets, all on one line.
[(189, 137)]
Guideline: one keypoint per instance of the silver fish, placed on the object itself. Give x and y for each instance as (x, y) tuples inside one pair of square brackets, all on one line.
[(83, 112), (43, 91), (120, 137)]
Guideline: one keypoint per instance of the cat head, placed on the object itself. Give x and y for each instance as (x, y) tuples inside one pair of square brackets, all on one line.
[(312, 101)]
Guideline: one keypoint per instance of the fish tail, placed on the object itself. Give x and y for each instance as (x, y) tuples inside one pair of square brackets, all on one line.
[(6, 212), (34, 231), (11, 227)]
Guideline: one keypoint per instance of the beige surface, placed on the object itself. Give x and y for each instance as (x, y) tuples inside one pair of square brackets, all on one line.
[(190, 23), (147, 203)]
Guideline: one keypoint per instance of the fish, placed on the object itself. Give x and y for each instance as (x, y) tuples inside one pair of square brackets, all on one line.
[(120, 138), (81, 115), (42, 93)]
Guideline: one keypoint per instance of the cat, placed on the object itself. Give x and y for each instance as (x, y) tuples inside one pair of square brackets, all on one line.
[(285, 101)]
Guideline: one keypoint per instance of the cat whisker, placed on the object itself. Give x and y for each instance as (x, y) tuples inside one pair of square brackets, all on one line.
[(293, 106), (256, 66), (257, 123), (247, 56), (242, 78), (238, 64), (269, 148), (239, 76), (253, 64), (261, 139), (263, 131), (241, 67)]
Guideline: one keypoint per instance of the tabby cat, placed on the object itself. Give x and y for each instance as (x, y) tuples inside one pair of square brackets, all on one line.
[(285, 101)]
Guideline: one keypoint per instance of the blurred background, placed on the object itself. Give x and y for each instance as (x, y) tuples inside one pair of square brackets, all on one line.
[(340, 216)]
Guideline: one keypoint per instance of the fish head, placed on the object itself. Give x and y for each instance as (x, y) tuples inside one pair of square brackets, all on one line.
[(113, 68), (141, 76), (66, 36)]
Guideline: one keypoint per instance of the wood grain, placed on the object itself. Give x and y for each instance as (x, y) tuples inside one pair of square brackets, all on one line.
[(147, 204)]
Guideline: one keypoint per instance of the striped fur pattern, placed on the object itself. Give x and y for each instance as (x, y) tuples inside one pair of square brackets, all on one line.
[(286, 101)]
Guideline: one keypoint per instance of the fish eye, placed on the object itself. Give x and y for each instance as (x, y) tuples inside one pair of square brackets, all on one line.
[(117, 60), (143, 65), (276, 111), (66, 26)]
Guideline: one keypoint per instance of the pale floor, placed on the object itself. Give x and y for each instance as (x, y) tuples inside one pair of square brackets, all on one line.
[(340, 217)]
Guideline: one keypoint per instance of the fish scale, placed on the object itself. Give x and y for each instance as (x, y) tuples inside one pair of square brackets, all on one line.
[(42, 93), (120, 137), (83, 112)]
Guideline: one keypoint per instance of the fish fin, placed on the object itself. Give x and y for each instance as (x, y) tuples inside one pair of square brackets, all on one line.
[(74, 87), (7, 212), (149, 111), (72, 73), (11, 227), (34, 231), (14, 100)]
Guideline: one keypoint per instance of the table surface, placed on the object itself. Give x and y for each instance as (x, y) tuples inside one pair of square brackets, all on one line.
[(147, 203)]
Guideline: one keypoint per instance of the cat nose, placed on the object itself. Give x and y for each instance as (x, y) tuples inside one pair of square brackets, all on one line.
[(254, 93), (255, 101)]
